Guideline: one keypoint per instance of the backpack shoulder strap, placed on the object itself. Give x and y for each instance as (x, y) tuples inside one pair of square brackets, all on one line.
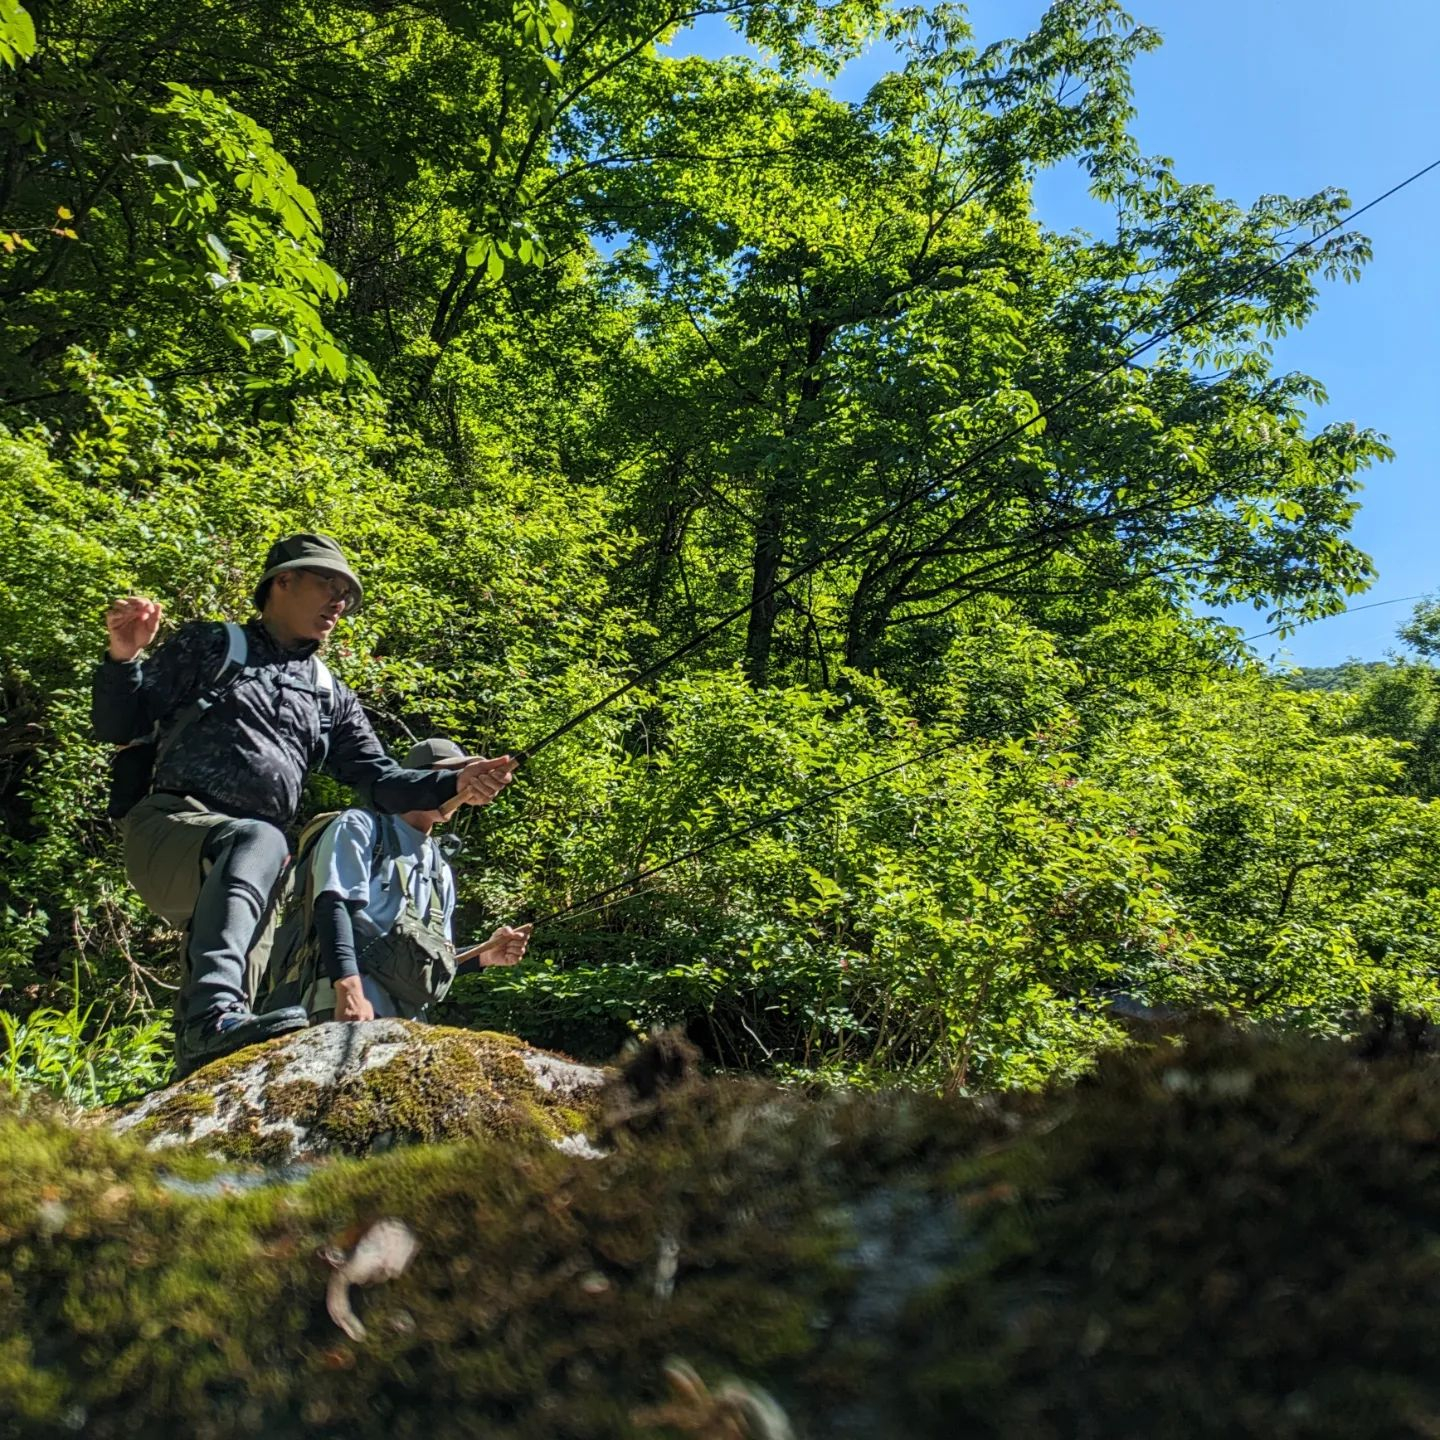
[(311, 832), (302, 869), (387, 842), (435, 859), (325, 695), (435, 865), (237, 652)]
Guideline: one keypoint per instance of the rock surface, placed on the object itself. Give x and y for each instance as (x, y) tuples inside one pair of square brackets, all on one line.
[(355, 1089), (1216, 1236)]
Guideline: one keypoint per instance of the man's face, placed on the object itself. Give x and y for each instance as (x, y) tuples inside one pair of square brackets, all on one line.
[(310, 602), (439, 817)]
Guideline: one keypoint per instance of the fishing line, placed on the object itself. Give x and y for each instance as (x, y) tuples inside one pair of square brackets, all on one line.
[(1192, 317), (600, 900), (1348, 610)]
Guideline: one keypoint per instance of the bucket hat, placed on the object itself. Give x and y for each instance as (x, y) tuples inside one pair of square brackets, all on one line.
[(310, 552)]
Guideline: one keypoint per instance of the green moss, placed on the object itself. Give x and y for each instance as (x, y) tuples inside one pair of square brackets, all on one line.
[(449, 1084), (245, 1140), (218, 1072), (496, 1037), (177, 1113), (298, 1100), (1229, 1238), (541, 1302), (568, 1120), (1215, 1237)]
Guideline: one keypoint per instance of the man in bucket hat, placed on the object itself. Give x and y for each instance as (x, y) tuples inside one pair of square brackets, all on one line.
[(367, 931), (237, 718)]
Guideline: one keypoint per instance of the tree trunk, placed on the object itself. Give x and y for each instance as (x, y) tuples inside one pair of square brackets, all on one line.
[(769, 554), (770, 531)]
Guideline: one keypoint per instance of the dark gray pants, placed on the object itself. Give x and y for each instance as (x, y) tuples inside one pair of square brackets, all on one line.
[(217, 876)]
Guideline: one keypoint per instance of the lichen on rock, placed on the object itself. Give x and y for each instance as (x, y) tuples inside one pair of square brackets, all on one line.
[(351, 1089)]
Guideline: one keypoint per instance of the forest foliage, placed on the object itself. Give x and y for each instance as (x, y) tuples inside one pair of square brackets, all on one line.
[(577, 345)]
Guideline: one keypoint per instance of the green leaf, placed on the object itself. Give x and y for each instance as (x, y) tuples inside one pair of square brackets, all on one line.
[(332, 359), (17, 33)]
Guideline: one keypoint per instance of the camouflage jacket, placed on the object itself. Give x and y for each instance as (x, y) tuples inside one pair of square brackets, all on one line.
[(250, 752)]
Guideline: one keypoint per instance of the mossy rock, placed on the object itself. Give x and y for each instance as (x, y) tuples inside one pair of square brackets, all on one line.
[(352, 1089), (1224, 1236)]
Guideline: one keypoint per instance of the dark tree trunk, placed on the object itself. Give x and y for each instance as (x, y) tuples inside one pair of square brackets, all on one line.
[(768, 556), (771, 528)]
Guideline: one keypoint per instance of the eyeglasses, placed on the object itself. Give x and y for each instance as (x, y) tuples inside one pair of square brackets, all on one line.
[(339, 587)]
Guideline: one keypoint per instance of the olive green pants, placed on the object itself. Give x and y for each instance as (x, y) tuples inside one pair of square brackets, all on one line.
[(216, 877)]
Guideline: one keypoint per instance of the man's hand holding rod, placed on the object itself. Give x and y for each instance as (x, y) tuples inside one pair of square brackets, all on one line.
[(481, 781)]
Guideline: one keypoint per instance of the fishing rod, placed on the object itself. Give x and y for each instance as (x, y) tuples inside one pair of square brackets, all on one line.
[(592, 904), (1194, 316), (601, 899), (984, 452)]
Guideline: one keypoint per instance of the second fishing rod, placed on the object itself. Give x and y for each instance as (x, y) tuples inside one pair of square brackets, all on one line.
[(617, 893)]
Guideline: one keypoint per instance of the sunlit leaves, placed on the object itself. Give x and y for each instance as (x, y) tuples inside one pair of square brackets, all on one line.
[(271, 278), (17, 33)]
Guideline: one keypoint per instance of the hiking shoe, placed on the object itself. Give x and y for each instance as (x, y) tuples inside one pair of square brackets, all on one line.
[(222, 1032)]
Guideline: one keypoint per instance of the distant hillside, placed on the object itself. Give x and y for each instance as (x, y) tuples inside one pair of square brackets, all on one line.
[(1349, 675)]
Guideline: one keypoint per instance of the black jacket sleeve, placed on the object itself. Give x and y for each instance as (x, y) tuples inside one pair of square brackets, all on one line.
[(357, 759), (335, 930), (127, 697)]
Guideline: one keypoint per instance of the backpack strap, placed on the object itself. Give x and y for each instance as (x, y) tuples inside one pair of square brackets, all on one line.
[(303, 864), (387, 842), (325, 696), (435, 857), (430, 863), (435, 866), (237, 649), (428, 866), (237, 652)]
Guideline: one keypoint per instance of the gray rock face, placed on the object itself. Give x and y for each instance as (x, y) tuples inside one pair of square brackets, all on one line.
[(357, 1088)]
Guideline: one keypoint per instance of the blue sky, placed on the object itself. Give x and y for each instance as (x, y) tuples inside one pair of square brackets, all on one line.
[(1289, 96)]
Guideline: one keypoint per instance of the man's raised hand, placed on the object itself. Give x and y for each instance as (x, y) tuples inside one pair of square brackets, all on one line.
[(482, 780), (132, 624)]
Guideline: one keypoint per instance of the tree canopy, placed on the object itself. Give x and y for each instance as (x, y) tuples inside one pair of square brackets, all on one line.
[(577, 345)]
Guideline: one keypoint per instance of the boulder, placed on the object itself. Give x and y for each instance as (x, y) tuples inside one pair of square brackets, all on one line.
[(1216, 1236), (355, 1089)]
